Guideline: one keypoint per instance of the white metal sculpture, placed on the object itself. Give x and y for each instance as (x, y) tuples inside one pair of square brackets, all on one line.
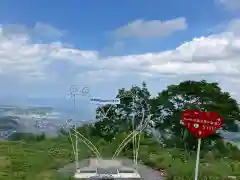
[(135, 136)]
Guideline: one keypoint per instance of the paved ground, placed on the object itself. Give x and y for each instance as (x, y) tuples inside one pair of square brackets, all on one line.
[(146, 172)]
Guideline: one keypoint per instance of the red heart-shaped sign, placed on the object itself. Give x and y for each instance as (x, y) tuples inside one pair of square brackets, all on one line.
[(201, 124)]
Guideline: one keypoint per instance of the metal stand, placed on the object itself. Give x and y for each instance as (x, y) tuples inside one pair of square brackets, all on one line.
[(197, 160)]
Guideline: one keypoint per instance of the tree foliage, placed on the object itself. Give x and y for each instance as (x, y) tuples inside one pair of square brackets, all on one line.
[(169, 104), (135, 103), (166, 109)]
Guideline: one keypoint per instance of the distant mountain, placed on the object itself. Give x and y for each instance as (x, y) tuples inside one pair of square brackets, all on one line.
[(9, 122), (232, 137), (8, 126)]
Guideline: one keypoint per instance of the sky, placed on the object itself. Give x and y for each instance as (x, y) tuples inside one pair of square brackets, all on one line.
[(47, 46)]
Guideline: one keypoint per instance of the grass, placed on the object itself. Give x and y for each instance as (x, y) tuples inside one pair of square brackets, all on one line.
[(40, 160)]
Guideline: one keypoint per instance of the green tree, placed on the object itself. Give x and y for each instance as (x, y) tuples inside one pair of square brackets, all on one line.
[(134, 102), (169, 104)]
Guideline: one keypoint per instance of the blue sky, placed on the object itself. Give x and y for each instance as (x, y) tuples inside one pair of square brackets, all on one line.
[(48, 45), (90, 24)]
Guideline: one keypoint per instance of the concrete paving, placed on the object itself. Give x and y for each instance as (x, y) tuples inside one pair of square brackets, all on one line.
[(145, 172)]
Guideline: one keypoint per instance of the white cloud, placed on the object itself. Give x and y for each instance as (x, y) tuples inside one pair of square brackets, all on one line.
[(216, 54), (99, 76), (231, 5), (38, 30), (47, 30), (234, 27), (215, 57), (22, 58), (152, 28)]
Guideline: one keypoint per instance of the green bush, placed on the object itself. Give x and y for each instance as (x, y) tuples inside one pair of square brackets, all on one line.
[(35, 157)]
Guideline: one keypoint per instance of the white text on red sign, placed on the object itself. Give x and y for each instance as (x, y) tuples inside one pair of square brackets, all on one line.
[(203, 121)]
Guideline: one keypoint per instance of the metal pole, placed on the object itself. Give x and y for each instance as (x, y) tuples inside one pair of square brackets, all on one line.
[(74, 101), (76, 137), (197, 160), (133, 128), (76, 144)]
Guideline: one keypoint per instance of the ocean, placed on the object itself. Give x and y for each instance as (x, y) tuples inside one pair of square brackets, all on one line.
[(46, 120)]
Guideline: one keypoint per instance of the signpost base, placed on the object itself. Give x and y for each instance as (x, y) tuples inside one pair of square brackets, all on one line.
[(197, 160)]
